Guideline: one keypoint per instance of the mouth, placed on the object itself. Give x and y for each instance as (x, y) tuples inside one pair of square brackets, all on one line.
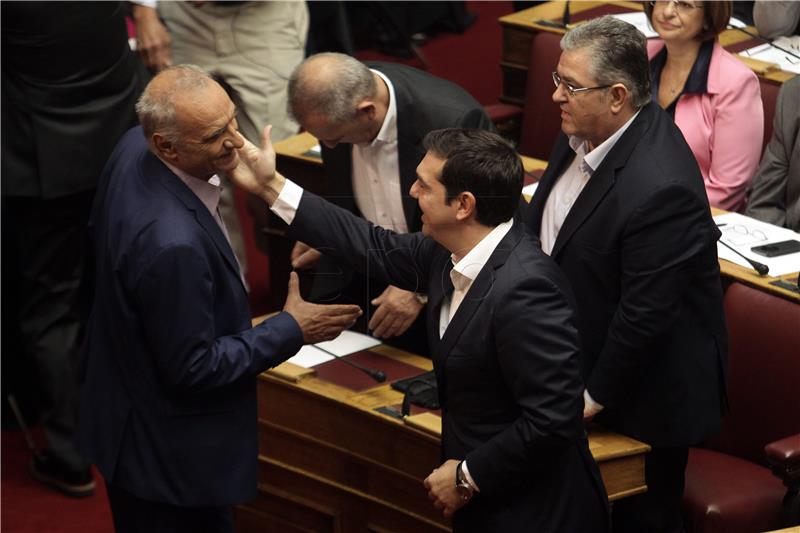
[(664, 25)]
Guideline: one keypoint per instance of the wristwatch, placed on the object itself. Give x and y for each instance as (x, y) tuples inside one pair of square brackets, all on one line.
[(463, 487)]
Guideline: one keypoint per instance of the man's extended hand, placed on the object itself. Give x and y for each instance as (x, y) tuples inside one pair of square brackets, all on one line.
[(152, 38), (318, 322), (441, 485), (397, 309), (255, 171), (303, 256)]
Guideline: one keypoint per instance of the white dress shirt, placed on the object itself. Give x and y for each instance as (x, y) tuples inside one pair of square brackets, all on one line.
[(376, 173), (571, 183)]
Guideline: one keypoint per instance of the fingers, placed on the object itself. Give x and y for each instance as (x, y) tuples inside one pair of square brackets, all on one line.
[(307, 259), (294, 287)]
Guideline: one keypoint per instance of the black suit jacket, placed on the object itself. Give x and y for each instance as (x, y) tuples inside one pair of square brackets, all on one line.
[(169, 400), (507, 370), (639, 248)]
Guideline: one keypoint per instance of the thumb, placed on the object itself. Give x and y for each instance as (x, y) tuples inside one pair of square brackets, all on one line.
[(378, 300), (266, 142), (294, 287)]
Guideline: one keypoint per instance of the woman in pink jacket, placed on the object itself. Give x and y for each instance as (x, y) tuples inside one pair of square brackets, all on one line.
[(714, 98)]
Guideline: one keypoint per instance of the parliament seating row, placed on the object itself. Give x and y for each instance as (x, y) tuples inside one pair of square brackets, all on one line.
[(746, 478)]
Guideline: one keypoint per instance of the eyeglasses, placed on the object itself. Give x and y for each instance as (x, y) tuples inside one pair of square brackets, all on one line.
[(574, 90), (681, 6)]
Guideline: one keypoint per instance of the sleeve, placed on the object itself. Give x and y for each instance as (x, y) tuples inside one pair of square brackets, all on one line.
[(176, 299), (663, 247), (767, 199), (736, 142), (475, 118), (537, 349), (775, 18), (383, 255)]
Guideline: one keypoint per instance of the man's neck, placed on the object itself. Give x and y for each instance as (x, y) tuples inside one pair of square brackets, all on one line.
[(381, 105), (616, 122), (465, 238)]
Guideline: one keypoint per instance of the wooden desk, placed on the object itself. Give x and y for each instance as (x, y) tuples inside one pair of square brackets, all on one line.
[(329, 462), (520, 27)]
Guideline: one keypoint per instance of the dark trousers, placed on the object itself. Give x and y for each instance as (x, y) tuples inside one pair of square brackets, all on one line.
[(135, 515), (44, 252), (659, 509)]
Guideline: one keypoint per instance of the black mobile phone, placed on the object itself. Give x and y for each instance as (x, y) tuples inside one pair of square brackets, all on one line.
[(777, 248)]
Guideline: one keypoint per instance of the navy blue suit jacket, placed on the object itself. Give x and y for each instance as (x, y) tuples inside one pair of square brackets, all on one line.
[(169, 405), (507, 369)]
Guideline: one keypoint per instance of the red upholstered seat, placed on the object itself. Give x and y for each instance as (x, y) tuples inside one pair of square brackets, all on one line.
[(729, 486)]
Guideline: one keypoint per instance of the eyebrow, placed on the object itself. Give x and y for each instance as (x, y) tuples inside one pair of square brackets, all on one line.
[(220, 131)]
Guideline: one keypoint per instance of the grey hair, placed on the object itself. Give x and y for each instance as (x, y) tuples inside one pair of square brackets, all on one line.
[(156, 106), (617, 52), (335, 93)]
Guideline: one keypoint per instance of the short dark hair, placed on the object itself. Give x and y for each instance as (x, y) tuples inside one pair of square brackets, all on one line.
[(617, 54), (483, 163), (716, 16)]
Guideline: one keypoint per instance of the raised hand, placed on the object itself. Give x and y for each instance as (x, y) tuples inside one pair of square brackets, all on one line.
[(255, 172), (318, 322)]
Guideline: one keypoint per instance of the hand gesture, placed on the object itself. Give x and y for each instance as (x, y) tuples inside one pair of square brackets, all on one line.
[(256, 169), (441, 485), (397, 309), (303, 256), (318, 322)]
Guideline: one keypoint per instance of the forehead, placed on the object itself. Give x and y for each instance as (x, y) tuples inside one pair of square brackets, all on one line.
[(204, 110), (430, 168), (573, 65)]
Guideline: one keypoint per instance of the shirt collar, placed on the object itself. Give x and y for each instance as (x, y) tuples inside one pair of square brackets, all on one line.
[(466, 270), (388, 132), (594, 158), (208, 191)]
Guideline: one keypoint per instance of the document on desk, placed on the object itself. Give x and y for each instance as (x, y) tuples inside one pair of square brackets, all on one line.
[(346, 343), (639, 20), (776, 52), (743, 233)]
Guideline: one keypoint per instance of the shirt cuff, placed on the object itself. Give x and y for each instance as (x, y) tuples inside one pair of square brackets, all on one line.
[(465, 471), (590, 405), (285, 206)]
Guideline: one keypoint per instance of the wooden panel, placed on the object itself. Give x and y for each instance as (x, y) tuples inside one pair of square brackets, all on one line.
[(276, 510)]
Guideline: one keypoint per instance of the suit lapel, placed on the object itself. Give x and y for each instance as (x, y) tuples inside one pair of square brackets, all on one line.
[(192, 203), (602, 179), (478, 292)]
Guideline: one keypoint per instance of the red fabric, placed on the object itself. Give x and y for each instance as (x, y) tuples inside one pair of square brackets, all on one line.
[(342, 374), (725, 494)]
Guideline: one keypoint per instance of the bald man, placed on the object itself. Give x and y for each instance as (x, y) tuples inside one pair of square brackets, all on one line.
[(371, 119), (169, 405)]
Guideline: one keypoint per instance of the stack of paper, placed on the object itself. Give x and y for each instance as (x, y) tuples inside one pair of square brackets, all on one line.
[(770, 54), (346, 343)]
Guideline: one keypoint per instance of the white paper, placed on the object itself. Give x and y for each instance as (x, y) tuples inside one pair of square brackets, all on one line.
[(528, 190), (638, 19), (349, 342), (770, 54), (309, 355), (742, 233)]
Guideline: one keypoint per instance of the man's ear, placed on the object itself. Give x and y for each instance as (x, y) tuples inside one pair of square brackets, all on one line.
[(164, 147), (366, 109), (619, 96), (467, 205)]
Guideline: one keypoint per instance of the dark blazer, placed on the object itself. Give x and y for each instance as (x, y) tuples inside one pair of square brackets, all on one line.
[(507, 371), (639, 248), (169, 405)]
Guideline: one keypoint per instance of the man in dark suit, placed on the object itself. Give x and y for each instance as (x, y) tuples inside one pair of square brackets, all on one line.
[(68, 96), (169, 406), (622, 210), (370, 119), (500, 323)]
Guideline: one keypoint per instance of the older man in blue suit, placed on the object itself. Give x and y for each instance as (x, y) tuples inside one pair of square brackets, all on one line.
[(169, 406)]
